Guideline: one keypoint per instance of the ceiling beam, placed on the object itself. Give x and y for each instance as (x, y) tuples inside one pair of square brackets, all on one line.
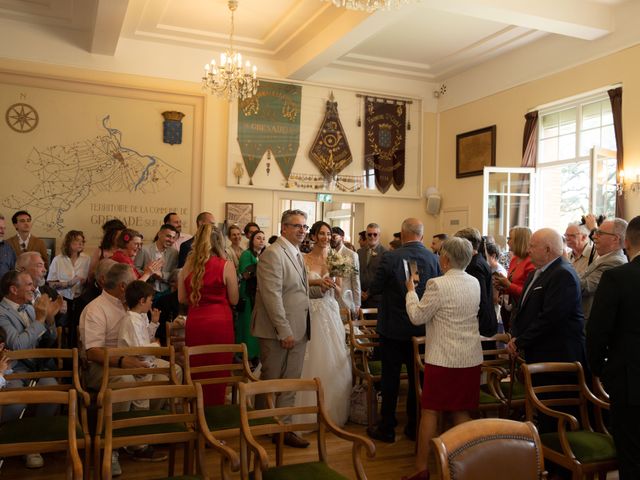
[(109, 20), (347, 30), (571, 18)]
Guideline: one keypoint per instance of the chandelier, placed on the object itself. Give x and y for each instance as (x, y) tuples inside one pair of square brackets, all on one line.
[(369, 5), (230, 78)]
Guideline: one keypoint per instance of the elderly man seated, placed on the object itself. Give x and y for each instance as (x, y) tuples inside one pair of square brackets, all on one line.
[(26, 326)]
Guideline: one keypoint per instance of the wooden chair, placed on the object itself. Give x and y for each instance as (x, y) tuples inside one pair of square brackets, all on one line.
[(175, 335), (62, 433), (575, 445), (183, 423), (490, 448), (418, 372), (363, 339), (66, 380), (309, 470), (368, 314), (109, 372)]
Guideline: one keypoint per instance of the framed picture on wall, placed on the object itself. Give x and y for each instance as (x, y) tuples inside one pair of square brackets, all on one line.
[(474, 151), (238, 213)]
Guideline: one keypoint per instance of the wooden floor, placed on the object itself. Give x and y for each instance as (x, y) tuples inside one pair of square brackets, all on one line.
[(392, 461)]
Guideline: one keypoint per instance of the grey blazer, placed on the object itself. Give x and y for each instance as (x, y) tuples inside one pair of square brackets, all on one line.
[(282, 298), (590, 278), (20, 337)]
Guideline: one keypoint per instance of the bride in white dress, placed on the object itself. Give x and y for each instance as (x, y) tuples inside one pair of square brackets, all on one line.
[(326, 356)]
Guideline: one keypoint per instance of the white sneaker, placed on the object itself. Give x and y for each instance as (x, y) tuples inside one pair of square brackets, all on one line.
[(33, 460), (116, 469)]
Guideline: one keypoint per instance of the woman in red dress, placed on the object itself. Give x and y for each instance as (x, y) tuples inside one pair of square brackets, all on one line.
[(129, 244), (520, 267), (208, 284)]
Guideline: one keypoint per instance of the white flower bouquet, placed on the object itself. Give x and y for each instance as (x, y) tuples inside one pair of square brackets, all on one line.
[(340, 266)]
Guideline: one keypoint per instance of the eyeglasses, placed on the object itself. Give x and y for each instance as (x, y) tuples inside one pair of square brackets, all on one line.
[(298, 226), (372, 234), (602, 232)]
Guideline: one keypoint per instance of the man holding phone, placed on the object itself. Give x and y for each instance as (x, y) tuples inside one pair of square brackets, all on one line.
[(395, 328)]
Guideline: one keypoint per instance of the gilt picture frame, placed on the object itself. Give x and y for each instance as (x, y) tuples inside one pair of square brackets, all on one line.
[(474, 151)]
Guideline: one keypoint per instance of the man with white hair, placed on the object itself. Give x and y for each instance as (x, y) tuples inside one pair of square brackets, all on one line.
[(582, 252), (549, 324), (609, 240)]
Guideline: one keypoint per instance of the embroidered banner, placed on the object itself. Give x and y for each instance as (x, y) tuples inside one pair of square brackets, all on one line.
[(384, 123), (330, 150), (269, 122)]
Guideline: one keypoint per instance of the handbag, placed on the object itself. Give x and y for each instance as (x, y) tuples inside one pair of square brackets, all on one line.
[(358, 405)]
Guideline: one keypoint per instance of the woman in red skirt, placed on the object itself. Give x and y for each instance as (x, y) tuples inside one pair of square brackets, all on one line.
[(453, 353)]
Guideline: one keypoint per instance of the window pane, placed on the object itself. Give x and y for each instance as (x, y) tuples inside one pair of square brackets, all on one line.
[(519, 211), (609, 138), (607, 115), (591, 115), (520, 183), (588, 140), (566, 194), (568, 121), (498, 182), (548, 150), (549, 125), (567, 147)]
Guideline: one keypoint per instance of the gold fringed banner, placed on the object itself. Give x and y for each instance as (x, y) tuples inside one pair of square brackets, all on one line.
[(330, 150), (384, 140)]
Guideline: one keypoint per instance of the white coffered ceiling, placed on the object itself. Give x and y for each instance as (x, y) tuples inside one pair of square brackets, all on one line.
[(427, 41)]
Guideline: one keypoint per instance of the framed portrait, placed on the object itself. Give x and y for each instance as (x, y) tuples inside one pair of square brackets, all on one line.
[(238, 213), (494, 206), (474, 151)]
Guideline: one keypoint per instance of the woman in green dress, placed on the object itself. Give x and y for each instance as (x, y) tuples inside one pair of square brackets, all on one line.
[(247, 269)]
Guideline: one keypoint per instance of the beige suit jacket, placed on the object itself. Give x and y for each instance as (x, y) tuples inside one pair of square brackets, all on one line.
[(282, 298), (35, 245)]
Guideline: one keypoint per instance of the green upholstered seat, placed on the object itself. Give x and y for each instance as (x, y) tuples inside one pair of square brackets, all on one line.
[(36, 429), (299, 471), (518, 390), (375, 367), (183, 477), (223, 417), (146, 429), (488, 399), (587, 446)]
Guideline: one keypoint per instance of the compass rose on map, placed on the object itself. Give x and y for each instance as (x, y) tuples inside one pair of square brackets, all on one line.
[(21, 117)]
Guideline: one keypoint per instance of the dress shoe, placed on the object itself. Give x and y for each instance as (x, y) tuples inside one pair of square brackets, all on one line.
[(410, 432), (292, 440), (33, 460), (378, 434), (423, 475)]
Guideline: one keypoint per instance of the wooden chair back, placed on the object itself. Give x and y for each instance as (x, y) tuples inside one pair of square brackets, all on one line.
[(470, 450), (53, 434), (251, 426), (368, 313), (231, 373)]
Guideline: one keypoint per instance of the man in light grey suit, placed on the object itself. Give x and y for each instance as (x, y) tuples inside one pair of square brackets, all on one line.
[(351, 293), (608, 240), (281, 314), (26, 328)]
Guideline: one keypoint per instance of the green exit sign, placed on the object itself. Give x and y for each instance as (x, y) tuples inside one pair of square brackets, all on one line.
[(324, 197)]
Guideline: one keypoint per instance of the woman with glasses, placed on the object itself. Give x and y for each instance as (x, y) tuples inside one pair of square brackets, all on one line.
[(520, 267), (128, 244)]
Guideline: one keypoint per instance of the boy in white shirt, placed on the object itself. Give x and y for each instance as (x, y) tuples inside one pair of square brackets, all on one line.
[(137, 331)]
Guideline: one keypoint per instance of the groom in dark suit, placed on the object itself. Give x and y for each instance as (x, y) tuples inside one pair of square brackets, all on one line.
[(613, 348), (549, 325)]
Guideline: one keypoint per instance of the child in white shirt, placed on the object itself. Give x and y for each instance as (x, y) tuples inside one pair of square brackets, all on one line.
[(137, 331)]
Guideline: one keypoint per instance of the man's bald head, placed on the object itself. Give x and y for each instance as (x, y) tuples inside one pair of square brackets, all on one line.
[(545, 246), (412, 230)]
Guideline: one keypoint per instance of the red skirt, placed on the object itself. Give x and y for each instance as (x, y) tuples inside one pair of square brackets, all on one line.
[(450, 389)]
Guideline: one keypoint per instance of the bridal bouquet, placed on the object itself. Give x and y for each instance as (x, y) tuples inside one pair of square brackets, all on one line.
[(340, 266)]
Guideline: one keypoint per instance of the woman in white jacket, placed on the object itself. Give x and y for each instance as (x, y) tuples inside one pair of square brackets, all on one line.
[(453, 353)]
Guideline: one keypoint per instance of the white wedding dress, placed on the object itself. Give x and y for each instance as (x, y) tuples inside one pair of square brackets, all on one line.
[(327, 358)]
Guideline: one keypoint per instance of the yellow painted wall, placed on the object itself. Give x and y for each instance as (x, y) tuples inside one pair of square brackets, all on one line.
[(507, 109)]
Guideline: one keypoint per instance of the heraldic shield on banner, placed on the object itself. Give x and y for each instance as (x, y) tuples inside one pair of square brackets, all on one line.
[(330, 150), (269, 122), (172, 127), (385, 134)]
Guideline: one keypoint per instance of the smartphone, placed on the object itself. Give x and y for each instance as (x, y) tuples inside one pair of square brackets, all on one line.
[(413, 269), (406, 269)]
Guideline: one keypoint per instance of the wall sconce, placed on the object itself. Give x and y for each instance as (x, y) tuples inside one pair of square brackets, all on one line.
[(629, 183)]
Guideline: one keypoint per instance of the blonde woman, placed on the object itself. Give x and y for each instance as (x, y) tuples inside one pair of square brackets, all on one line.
[(209, 286)]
